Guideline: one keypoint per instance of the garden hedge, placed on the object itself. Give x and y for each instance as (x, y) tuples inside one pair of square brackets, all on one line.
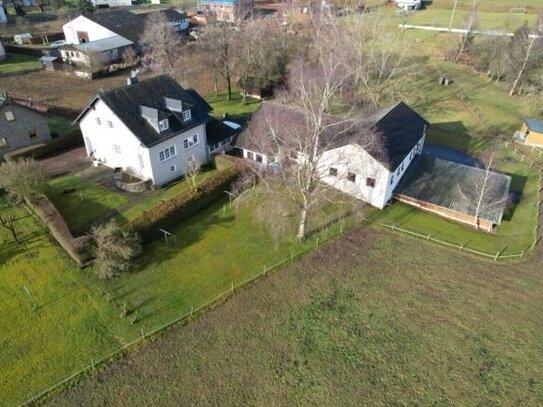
[(186, 203), (79, 248)]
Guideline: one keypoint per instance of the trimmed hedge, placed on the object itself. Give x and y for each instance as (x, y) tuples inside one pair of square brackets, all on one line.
[(186, 203), (79, 248), (66, 142)]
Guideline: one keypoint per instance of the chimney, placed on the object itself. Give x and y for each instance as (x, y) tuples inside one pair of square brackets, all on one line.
[(131, 80)]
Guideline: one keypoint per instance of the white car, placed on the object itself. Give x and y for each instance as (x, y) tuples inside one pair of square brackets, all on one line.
[(57, 44), (409, 4)]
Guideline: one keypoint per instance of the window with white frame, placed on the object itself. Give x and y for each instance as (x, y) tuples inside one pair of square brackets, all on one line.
[(98, 121), (117, 149), (186, 115), (140, 160), (332, 172), (167, 153), (173, 168), (110, 124), (213, 147), (163, 125), (190, 141), (191, 158)]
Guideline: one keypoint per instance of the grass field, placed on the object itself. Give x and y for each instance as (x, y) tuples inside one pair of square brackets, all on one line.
[(374, 319), (17, 63)]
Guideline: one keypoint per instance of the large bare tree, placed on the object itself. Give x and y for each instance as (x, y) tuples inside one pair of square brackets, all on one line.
[(161, 44), (525, 54)]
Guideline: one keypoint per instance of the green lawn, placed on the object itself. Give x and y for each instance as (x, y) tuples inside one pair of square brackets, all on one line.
[(60, 125), (233, 108), (372, 319), (17, 63), (88, 202)]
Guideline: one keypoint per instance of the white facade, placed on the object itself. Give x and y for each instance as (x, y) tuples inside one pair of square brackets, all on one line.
[(81, 30), (109, 142), (354, 171)]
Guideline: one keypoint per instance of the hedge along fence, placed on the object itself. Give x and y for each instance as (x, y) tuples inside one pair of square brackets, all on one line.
[(73, 139), (188, 202), (79, 248)]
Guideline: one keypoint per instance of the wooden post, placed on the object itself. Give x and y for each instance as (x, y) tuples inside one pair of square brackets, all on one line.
[(522, 254), (191, 310), (497, 255), (142, 334), (232, 287)]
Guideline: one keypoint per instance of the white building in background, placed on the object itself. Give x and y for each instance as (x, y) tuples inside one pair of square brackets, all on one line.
[(366, 167)]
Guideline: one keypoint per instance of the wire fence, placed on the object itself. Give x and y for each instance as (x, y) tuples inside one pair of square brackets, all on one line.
[(332, 234)]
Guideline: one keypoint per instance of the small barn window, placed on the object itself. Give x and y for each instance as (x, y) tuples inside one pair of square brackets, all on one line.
[(10, 116), (250, 155), (351, 177), (333, 172), (370, 182), (3, 142), (32, 133)]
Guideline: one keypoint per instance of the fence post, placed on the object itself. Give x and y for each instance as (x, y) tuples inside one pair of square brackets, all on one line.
[(428, 238), (142, 334), (191, 310), (232, 287), (522, 254), (497, 255)]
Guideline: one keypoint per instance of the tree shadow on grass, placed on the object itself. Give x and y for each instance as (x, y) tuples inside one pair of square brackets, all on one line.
[(516, 190)]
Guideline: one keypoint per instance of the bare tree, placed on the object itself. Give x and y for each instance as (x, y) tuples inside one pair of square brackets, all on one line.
[(219, 45), (160, 44), (483, 192), (526, 52), (23, 177), (130, 57), (471, 21), (192, 172)]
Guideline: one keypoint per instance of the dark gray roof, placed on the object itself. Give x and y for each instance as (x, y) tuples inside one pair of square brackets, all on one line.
[(126, 102), (127, 24), (218, 131), (121, 22), (456, 186), (388, 135)]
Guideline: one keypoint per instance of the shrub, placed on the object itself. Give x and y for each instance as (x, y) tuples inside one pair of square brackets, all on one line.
[(23, 177), (114, 249), (186, 203)]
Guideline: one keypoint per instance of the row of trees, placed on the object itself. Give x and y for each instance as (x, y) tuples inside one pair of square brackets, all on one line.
[(516, 60)]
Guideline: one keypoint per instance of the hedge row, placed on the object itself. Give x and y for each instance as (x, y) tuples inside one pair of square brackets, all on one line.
[(70, 140), (186, 203), (79, 248)]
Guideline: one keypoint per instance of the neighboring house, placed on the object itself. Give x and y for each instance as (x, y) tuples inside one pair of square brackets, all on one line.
[(98, 40), (3, 18), (153, 129), (220, 135), (20, 127), (365, 161), (531, 133), (228, 10)]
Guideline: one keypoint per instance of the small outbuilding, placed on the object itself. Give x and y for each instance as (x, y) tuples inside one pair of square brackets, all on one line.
[(459, 192), (530, 133)]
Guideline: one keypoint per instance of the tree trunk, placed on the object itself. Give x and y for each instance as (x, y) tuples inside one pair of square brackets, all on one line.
[(521, 70), (229, 86), (301, 226), (216, 81)]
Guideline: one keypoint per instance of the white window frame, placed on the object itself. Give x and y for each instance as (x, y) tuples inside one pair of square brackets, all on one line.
[(163, 125), (98, 121), (173, 168), (110, 124), (191, 141), (186, 115), (10, 117), (167, 154)]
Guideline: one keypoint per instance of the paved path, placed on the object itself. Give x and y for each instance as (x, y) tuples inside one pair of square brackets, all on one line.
[(69, 161)]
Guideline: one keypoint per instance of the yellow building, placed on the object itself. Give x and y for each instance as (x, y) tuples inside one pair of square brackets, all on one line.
[(531, 133)]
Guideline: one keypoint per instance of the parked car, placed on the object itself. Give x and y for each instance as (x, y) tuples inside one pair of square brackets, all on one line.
[(409, 4), (57, 44)]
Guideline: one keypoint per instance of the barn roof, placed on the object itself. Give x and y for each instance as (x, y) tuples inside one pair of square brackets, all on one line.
[(456, 186), (534, 125), (388, 135), (121, 22), (127, 101), (218, 131)]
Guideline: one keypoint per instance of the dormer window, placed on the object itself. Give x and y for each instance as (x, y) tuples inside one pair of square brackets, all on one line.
[(186, 115), (10, 116), (163, 125)]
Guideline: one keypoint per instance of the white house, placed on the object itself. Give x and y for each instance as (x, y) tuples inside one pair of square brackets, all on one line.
[(365, 161), (153, 129)]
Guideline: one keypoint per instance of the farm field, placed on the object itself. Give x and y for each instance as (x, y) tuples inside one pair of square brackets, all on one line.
[(374, 318)]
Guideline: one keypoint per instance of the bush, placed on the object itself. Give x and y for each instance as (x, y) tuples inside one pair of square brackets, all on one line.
[(114, 249), (22, 177), (186, 203)]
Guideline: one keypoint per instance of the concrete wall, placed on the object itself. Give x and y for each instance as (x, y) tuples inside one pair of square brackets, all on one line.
[(16, 134)]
